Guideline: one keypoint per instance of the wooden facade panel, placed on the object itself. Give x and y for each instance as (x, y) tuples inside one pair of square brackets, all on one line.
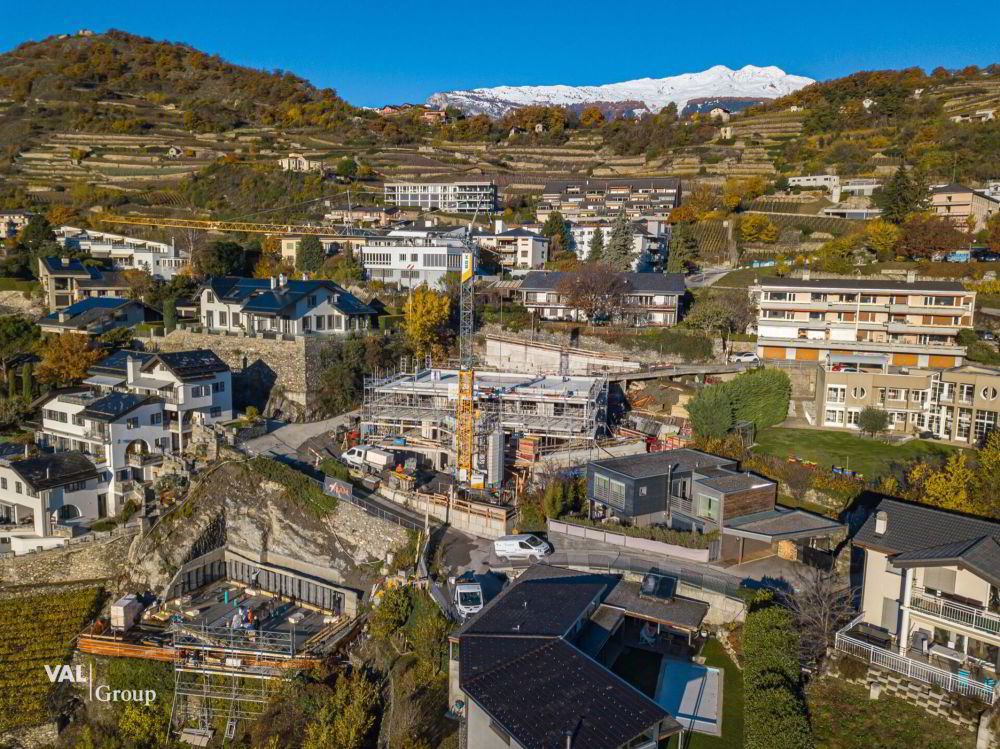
[(904, 360), (941, 362), (807, 354), (774, 352)]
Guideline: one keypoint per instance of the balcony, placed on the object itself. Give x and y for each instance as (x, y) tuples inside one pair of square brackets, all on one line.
[(140, 460), (942, 607), (848, 641)]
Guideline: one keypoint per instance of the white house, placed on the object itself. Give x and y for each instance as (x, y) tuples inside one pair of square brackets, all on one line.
[(42, 498), (296, 162), (162, 261), (281, 306), (647, 298), (472, 196), (414, 257), (929, 604), (515, 249), (646, 245)]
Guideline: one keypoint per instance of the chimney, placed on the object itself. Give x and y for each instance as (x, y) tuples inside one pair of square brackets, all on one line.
[(911, 276), (63, 317), (131, 369), (569, 740), (48, 471), (806, 274), (274, 282), (881, 522), (27, 451), (305, 275), (498, 226), (282, 280)]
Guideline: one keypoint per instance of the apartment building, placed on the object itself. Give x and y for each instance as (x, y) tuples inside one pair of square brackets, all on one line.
[(467, 196), (96, 315), (65, 281), (375, 215), (11, 222), (281, 306), (960, 405), (514, 249), (648, 248), (414, 257), (648, 298), (930, 603), (43, 497), (603, 199), (161, 260), (962, 204), (811, 319)]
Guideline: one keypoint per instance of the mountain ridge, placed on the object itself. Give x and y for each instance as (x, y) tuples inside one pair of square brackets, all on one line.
[(748, 82)]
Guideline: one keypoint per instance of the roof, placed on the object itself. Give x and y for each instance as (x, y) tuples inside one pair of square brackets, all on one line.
[(636, 183), (662, 283), (114, 363), (683, 613), (735, 482), (781, 523), (115, 405), (86, 311), (953, 187), (256, 294), (911, 527), (55, 469), (65, 266), (552, 690), (521, 232), (103, 279), (192, 364), (861, 284), (979, 555), (647, 465)]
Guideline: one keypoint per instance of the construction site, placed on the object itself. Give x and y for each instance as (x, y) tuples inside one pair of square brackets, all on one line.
[(516, 415)]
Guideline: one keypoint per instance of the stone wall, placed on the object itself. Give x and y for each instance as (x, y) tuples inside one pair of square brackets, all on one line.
[(100, 560)]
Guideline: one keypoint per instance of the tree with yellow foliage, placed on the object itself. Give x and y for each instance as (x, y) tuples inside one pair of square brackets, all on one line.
[(739, 191), (591, 117), (756, 227), (426, 322), (883, 237), (66, 359)]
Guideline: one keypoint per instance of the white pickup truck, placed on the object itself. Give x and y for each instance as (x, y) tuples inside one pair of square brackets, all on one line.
[(363, 457)]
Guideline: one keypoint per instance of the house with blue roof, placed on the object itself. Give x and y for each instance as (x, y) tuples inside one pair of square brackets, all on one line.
[(97, 315), (67, 280), (281, 306)]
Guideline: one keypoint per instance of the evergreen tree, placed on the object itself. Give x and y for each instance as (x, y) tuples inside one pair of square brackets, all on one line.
[(596, 251), (618, 253), (683, 249), (902, 195), (557, 229), (26, 381), (169, 314), (309, 257)]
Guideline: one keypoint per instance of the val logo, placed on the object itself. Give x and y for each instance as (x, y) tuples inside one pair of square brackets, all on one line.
[(65, 673)]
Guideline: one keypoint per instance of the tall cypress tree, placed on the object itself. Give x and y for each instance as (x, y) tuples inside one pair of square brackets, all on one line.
[(596, 251)]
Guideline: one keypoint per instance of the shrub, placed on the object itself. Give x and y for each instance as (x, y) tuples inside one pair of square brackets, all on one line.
[(687, 539), (852, 668), (299, 488), (711, 413)]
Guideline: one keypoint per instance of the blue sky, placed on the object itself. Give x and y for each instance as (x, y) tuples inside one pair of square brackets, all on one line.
[(379, 52)]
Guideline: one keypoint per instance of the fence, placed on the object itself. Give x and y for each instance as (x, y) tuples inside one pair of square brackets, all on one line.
[(692, 554), (912, 669)]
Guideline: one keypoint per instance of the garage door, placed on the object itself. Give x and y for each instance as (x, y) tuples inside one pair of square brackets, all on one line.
[(807, 354), (940, 362), (774, 352), (904, 360)]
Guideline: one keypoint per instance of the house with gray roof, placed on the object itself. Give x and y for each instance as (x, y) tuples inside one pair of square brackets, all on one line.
[(645, 298), (930, 604), (533, 669), (95, 316), (690, 490), (280, 306)]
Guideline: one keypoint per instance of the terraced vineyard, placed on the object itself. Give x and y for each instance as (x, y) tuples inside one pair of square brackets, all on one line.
[(38, 632)]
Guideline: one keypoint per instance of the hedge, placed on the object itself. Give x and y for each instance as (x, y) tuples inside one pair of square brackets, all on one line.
[(775, 711), (759, 396)]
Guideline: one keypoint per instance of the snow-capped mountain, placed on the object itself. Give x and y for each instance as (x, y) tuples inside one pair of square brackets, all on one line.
[(749, 82)]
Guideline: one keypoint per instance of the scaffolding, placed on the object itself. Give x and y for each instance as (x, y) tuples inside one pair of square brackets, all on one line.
[(224, 675)]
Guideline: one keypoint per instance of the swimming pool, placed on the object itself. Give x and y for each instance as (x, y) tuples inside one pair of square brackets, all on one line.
[(692, 694)]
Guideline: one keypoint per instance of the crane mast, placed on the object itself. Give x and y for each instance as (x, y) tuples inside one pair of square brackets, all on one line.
[(465, 416)]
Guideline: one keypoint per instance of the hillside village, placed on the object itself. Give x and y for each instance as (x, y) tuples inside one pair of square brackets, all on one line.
[(588, 426)]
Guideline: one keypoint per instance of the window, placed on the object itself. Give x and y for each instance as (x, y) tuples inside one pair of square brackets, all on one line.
[(985, 422), (895, 394), (601, 486), (853, 416), (707, 507), (215, 411), (616, 495), (156, 418), (989, 393), (642, 491), (859, 393), (219, 387), (320, 322), (18, 488), (132, 422), (76, 486), (834, 416), (836, 394), (223, 317)]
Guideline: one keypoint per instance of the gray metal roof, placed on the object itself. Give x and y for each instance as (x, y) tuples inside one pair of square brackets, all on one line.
[(911, 526), (682, 613), (861, 284), (646, 465), (659, 283), (782, 523), (979, 555), (54, 469)]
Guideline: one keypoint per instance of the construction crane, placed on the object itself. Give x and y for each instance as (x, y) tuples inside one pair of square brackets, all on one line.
[(465, 416)]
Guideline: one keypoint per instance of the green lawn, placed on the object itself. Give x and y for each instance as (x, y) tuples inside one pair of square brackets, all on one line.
[(732, 702), (741, 278), (871, 457)]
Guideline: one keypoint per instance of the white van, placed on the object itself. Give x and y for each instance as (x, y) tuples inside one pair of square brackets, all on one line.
[(521, 546)]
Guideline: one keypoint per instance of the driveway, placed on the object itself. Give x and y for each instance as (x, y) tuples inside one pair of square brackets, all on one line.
[(706, 278), (287, 439)]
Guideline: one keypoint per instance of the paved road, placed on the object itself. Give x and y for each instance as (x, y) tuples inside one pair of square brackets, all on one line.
[(288, 438), (706, 278)]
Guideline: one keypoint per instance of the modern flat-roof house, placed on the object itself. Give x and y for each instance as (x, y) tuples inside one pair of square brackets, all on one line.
[(96, 315), (43, 497), (959, 405), (929, 606), (649, 298), (691, 490), (65, 281), (962, 204), (281, 306), (459, 196), (377, 215), (530, 670), (593, 198), (11, 222), (414, 257), (826, 319), (515, 249), (161, 260)]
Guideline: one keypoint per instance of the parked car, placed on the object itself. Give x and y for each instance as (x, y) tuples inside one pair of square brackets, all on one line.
[(745, 357), (521, 546), (985, 335)]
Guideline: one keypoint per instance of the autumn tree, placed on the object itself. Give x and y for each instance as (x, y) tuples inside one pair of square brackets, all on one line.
[(993, 232), (683, 249), (65, 359), (310, 255), (700, 202), (756, 227), (139, 283), (591, 117), (924, 235), (595, 253), (594, 289), (557, 230), (723, 313), (883, 237), (426, 321), (618, 253), (347, 168), (738, 192)]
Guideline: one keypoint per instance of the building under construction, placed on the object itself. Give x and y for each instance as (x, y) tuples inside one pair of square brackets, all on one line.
[(550, 411)]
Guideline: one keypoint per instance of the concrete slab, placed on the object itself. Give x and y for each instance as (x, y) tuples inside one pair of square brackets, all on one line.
[(692, 694)]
